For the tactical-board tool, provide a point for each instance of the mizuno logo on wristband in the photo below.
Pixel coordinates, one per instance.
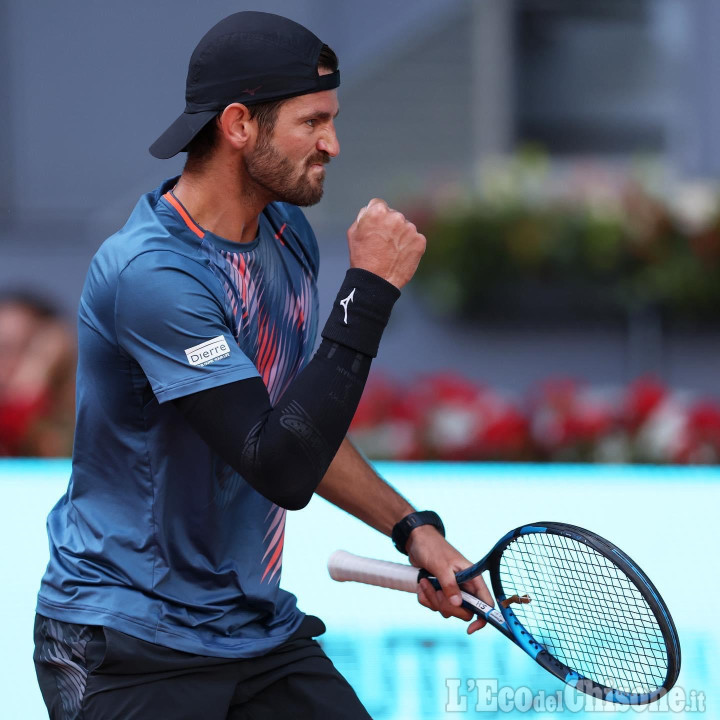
(344, 302)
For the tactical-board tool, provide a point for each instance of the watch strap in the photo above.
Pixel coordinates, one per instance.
(401, 531)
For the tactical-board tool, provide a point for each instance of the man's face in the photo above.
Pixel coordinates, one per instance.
(289, 162)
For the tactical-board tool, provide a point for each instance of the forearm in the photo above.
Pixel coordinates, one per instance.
(352, 485)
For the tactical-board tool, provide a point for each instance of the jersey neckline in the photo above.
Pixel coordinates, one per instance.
(186, 221)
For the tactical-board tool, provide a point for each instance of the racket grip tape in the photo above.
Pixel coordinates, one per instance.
(344, 566)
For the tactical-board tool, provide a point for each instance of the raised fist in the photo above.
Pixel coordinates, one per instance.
(382, 241)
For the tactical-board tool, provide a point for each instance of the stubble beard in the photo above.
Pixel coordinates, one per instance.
(277, 176)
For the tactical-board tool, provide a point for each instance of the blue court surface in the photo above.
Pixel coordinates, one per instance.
(404, 661)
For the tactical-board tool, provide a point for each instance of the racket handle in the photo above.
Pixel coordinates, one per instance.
(344, 566)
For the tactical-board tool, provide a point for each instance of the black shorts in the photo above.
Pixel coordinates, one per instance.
(89, 672)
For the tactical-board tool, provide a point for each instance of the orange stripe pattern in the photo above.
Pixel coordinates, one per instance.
(169, 197)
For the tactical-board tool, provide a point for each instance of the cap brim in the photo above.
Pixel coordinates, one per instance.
(176, 138)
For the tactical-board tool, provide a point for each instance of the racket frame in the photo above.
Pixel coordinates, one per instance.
(514, 630)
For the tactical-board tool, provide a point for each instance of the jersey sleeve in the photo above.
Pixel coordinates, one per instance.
(170, 318)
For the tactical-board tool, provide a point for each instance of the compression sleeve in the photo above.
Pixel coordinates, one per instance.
(284, 451)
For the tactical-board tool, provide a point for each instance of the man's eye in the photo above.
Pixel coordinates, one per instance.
(311, 122)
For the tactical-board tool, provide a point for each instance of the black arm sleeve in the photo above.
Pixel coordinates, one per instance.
(284, 451)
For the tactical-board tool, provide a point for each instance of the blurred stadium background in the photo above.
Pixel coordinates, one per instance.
(562, 157)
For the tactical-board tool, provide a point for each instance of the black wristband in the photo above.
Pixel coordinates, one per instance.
(361, 311)
(401, 531)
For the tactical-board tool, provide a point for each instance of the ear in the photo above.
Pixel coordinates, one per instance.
(236, 126)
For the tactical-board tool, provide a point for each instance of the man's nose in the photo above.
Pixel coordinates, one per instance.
(329, 143)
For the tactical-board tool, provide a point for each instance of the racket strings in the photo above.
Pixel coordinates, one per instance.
(585, 611)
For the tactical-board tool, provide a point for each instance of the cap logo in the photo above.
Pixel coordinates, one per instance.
(248, 91)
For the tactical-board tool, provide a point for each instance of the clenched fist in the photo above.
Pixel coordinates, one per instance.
(382, 241)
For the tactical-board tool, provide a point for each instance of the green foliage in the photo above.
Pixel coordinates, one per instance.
(629, 250)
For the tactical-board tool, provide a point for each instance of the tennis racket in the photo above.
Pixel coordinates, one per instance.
(578, 605)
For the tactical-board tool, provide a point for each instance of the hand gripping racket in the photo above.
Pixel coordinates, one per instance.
(571, 600)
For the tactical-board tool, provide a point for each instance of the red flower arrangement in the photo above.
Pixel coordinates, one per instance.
(448, 417)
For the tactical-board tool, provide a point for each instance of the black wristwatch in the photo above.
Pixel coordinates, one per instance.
(401, 531)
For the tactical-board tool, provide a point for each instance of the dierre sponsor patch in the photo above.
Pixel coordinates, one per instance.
(208, 352)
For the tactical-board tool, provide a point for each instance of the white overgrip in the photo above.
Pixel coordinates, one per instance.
(344, 566)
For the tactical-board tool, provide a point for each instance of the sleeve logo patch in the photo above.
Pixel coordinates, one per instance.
(208, 351)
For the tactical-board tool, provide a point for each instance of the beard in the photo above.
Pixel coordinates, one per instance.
(280, 178)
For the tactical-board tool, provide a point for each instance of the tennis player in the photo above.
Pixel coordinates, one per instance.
(203, 415)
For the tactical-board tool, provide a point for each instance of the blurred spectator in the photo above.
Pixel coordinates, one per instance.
(37, 378)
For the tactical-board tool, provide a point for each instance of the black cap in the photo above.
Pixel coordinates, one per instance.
(249, 57)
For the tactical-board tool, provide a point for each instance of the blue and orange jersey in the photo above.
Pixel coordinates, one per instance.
(157, 536)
